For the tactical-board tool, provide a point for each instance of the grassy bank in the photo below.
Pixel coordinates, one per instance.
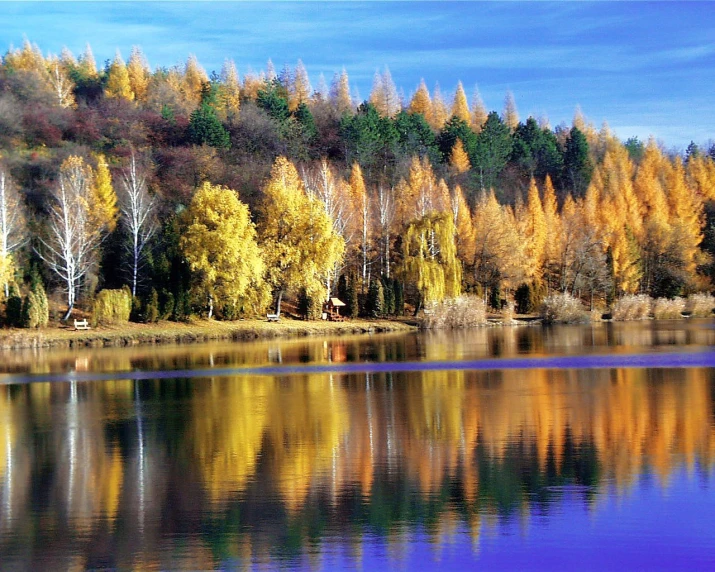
(191, 332)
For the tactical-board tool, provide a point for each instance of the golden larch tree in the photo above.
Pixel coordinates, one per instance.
(478, 112)
(340, 93)
(458, 158)
(301, 89)
(686, 217)
(193, 80)
(440, 113)
(421, 101)
(118, 84)
(552, 219)
(535, 233)
(104, 210)
(139, 73)
(86, 64)
(361, 202)
(464, 230)
(460, 107)
(510, 116)
(384, 95)
(228, 96)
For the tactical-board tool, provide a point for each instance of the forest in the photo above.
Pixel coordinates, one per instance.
(174, 192)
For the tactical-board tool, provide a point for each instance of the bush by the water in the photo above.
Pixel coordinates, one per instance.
(461, 312)
(632, 307)
(508, 313)
(700, 305)
(564, 308)
(112, 307)
(666, 309)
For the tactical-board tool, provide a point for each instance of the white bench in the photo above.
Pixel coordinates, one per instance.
(81, 325)
(273, 317)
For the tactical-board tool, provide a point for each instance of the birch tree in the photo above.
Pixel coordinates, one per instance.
(12, 224)
(70, 245)
(136, 207)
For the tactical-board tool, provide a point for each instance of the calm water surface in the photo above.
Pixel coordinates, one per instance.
(252, 466)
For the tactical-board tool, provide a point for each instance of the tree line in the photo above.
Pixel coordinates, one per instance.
(223, 195)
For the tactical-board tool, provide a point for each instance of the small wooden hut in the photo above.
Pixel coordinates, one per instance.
(332, 309)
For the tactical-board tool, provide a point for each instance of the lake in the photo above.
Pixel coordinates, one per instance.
(577, 447)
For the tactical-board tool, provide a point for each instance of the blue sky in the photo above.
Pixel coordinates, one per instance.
(645, 68)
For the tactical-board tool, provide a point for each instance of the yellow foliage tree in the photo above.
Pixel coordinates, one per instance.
(138, 70)
(219, 243)
(510, 115)
(361, 202)
(478, 111)
(464, 230)
(440, 114)
(299, 243)
(553, 224)
(86, 64)
(340, 93)
(421, 102)
(460, 107)
(535, 233)
(118, 83)
(193, 80)
(430, 259)
(458, 158)
(228, 97)
(384, 95)
(301, 89)
(686, 218)
(104, 211)
(499, 248)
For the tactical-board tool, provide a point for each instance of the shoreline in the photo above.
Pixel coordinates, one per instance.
(195, 331)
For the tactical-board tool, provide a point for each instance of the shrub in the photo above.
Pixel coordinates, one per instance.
(309, 305)
(375, 303)
(31, 311)
(112, 307)
(167, 305)
(632, 307)
(353, 306)
(151, 313)
(564, 308)
(700, 305)
(665, 309)
(13, 308)
(399, 297)
(465, 311)
(389, 296)
(508, 313)
(35, 307)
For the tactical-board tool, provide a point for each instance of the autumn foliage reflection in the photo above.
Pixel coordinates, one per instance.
(127, 465)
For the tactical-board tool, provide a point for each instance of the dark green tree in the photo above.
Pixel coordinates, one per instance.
(206, 128)
(536, 151)
(375, 303)
(635, 148)
(578, 167)
(491, 152)
(455, 129)
(369, 138)
(273, 99)
(415, 137)
(399, 297)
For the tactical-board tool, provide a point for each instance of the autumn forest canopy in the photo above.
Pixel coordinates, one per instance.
(213, 193)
